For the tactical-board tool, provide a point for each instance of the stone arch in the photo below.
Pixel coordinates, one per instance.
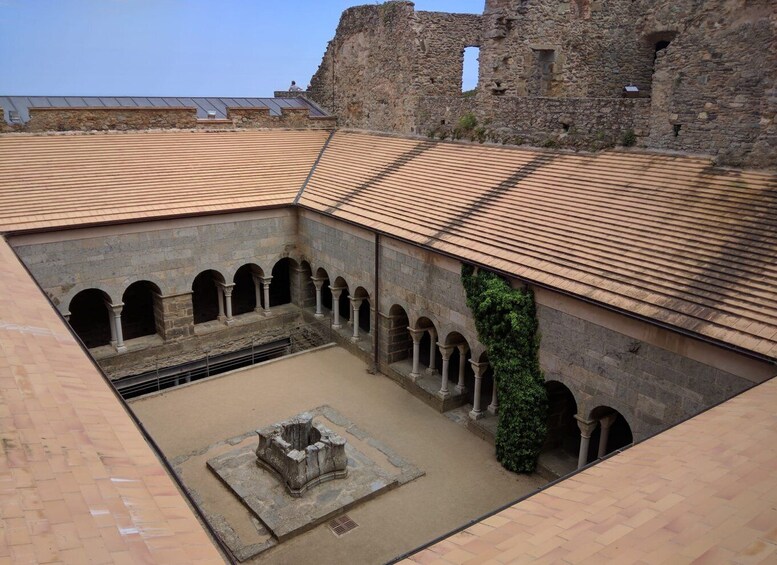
(142, 313)
(207, 296)
(67, 298)
(344, 303)
(399, 342)
(247, 292)
(365, 314)
(563, 431)
(281, 285)
(162, 286)
(612, 433)
(326, 293)
(460, 373)
(429, 353)
(91, 318)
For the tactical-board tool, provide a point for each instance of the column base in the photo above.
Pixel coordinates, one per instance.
(476, 415)
(443, 394)
(355, 339)
(229, 321)
(337, 326)
(258, 309)
(461, 389)
(267, 313)
(319, 316)
(493, 409)
(430, 371)
(414, 376)
(121, 349)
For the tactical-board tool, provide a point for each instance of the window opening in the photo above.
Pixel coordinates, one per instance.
(470, 71)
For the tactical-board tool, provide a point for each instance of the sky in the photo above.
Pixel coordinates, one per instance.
(170, 47)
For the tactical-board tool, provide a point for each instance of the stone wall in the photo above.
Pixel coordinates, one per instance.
(125, 119)
(384, 57)
(169, 254)
(654, 377)
(563, 48)
(581, 123)
(715, 86)
(713, 90)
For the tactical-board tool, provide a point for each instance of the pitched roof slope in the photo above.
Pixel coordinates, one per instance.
(669, 238)
(78, 482)
(704, 491)
(64, 180)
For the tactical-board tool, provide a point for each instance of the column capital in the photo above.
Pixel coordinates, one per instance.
(416, 335)
(336, 291)
(586, 426)
(266, 280)
(432, 333)
(356, 302)
(446, 350)
(318, 282)
(115, 308)
(463, 348)
(478, 368)
(226, 287)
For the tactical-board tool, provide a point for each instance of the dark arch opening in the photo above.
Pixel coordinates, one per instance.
(344, 304)
(364, 309)
(205, 296)
(659, 46)
(280, 287)
(142, 312)
(326, 294)
(244, 291)
(425, 347)
(620, 432)
(308, 290)
(563, 432)
(89, 317)
(400, 344)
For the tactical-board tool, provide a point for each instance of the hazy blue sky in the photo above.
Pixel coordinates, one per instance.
(169, 47)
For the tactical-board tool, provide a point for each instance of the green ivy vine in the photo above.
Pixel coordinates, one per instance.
(506, 322)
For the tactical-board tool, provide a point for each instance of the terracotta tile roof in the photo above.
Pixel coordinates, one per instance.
(64, 180)
(78, 483)
(705, 489)
(670, 238)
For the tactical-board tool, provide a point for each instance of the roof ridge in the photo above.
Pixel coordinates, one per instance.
(313, 168)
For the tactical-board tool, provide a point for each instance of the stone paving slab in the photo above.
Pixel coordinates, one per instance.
(286, 516)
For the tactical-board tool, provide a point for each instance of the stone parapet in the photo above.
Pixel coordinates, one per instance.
(129, 119)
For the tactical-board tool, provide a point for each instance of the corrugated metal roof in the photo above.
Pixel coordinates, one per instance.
(669, 238)
(22, 104)
(65, 180)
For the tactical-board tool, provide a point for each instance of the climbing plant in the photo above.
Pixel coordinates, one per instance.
(506, 322)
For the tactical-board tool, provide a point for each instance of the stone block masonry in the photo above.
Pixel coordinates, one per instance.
(705, 71)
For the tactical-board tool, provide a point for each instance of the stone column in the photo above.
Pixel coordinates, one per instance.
(119, 335)
(227, 290)
(318, 282)
(587, 428)
(355, 305)
(432, 351)
(336, 292)
(266, 287)
(604, 434)
(463, 350)
(494, 406)
(446, 351)
(479, 368)
(416, 336)
(258, 292)
(220, 292)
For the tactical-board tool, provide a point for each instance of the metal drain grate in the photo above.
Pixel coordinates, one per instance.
(342, 525)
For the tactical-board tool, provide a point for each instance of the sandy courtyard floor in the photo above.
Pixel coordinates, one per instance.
(463, 479)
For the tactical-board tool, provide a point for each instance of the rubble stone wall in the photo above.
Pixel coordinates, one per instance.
(705, 69)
